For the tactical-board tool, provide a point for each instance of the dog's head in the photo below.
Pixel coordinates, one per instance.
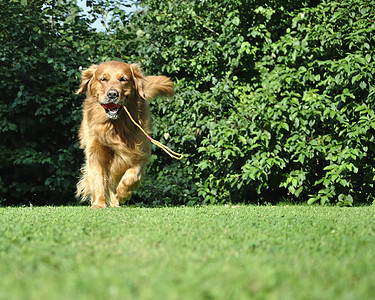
(113, 84)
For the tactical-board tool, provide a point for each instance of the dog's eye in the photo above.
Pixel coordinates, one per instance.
(123, 79)
(104, 79)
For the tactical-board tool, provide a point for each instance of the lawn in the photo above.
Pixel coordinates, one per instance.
(214, 252)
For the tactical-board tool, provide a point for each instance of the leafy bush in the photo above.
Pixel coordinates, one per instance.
(40, 56)
(316, 101)
(274, 101)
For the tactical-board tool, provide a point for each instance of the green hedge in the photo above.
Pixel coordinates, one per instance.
(40, 55)
(274, 101)
(315, 106)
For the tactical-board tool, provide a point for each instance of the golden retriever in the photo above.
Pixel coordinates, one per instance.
(116, 151)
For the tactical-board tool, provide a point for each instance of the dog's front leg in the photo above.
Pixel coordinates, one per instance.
(97, 183)
(98, 159)
(129, 182)
(113, 199)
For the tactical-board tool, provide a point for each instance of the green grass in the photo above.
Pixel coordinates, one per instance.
(250, 252)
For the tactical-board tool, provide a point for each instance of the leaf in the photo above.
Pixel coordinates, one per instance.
(363, 85)
(236, 21)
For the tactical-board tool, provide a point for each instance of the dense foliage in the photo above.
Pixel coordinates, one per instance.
(274, 101)
(42, 48)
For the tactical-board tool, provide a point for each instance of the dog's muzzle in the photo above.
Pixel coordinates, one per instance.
(112, 110)
(110, 105)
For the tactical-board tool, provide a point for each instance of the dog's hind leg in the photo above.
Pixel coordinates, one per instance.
(83, 191)
(89, 187)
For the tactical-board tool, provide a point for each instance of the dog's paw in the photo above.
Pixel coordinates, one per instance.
(131, 177)
(113, 200)
(124, 193)
(129, 182)
(98, 202)
(95, 206)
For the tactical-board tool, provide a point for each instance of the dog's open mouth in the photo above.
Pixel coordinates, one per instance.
(112, 110)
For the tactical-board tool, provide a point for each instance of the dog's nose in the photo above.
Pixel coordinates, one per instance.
(112, 93)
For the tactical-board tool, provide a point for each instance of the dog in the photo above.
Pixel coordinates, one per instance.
(116, 151)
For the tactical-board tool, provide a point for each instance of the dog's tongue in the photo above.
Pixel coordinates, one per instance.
(110, 106)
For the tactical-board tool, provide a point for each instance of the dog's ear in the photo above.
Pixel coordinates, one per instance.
(150, 87)
(86, 76)
(158, 86)
(138, 79)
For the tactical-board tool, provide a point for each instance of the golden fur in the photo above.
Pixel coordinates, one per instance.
(116, 151)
